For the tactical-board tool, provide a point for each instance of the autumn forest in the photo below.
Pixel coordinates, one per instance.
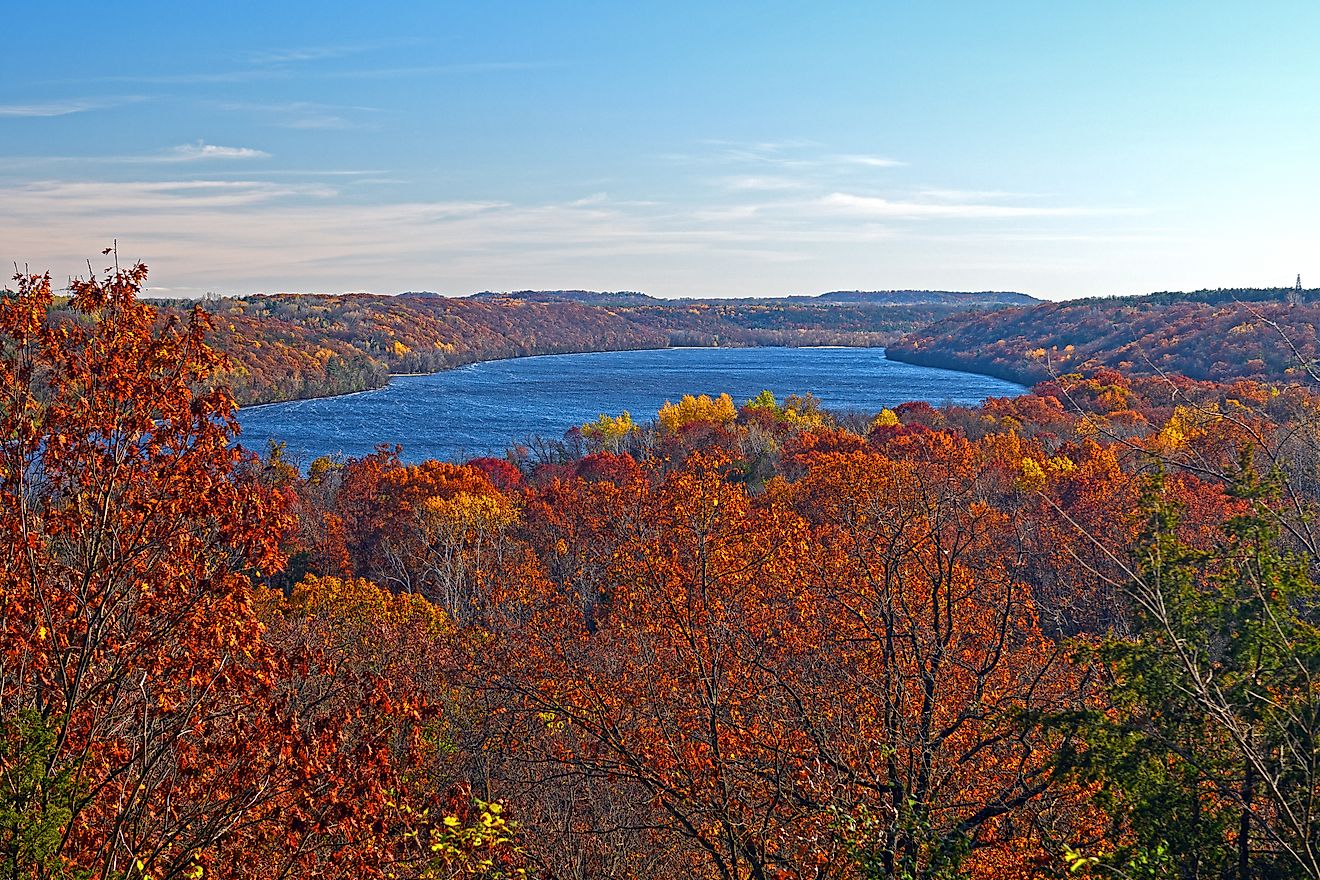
(1071, 633)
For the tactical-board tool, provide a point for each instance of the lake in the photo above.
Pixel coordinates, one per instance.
(483, 408)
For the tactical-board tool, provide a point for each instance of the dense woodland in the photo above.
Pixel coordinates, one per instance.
(306, 345)
(1071, 633)
(1268, 335)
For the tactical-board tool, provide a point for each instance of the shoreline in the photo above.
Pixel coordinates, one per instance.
(1006, 375)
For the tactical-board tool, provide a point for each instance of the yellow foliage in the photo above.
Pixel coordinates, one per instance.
(886, 419)
(1061, 465)
(1032, 478)
(466, 510)
(673, 417)
(476, 850)
(803, 412)
(808, 419)
(1170, 438)
(358, 599)
(1186, 424)
(320, 468)
(1090, 424)
(610, 430)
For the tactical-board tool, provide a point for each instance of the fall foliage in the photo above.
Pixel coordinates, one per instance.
(1067, 634)
(1217, 335)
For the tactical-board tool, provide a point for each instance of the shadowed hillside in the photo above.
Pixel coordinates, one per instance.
(1211, 334)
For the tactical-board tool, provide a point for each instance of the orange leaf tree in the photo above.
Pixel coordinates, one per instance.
(132, 669)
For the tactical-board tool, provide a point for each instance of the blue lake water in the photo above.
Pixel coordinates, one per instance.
(483, 408)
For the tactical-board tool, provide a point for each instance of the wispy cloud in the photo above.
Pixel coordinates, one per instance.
(302, 115)
(439, 69)
(803, 161)
(299, 233)
(301, 172)
(776, 154)
(183, 153)
(317, 122)
(247, 234)
(281, 72)
(972, 195)
(875, 206)
(869, 161)
(53, 108)
(306, 54)
(753, 183)
(43, 109)
(151, 198)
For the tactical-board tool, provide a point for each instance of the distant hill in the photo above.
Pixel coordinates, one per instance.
(1218, 335)
(850, 297)
(589, 297)
(1217, 296)
(930, 297)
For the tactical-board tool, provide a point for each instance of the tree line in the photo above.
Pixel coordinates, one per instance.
(1264, 335)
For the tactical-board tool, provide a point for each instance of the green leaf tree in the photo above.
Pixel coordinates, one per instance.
(1210, 751)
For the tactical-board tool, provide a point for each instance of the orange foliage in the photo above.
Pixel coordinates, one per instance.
(761, 646)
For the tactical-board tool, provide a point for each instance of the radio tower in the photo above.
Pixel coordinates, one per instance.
(1295, 295)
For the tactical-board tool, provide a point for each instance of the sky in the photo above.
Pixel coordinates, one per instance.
(694, 149)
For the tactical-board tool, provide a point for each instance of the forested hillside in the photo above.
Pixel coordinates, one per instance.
(1266, 335)
(1070, 634)
(290, 345)
(283, 347)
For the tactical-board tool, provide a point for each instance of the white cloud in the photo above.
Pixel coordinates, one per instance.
(971, 195)
(807, 161)
(303, 54)
(53, 108)
(96, 199)
(762, 184)
(47, 109)
(871, 161)
(201, 151)
(285, 72)
(875, 206)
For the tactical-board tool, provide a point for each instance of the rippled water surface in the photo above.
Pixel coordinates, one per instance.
(482, 408)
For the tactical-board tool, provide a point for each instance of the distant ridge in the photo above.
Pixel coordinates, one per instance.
(1267, 334)
(849, 297)
(1217, 296)
(587, 297)
(929, 297)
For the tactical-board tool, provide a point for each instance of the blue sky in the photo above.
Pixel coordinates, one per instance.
(683, 149)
